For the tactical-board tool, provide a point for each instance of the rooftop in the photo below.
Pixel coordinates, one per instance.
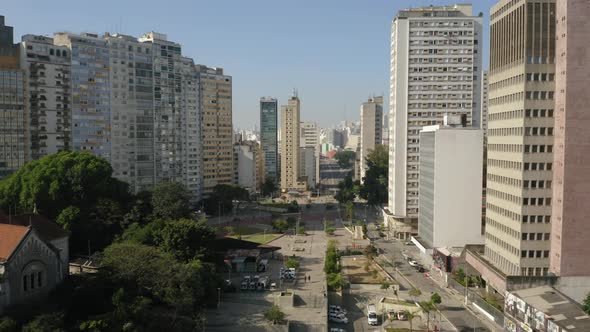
(45, 228)
(10, 237)
(556, 307)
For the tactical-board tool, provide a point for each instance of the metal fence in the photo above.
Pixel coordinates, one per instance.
(475, 299)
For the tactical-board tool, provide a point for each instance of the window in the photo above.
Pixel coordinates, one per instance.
(547, 236)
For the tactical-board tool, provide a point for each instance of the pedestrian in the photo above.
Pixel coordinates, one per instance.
(309, 278)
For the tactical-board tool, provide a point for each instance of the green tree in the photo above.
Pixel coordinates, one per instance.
(435, 299)
(335, 281)
(411, 315)
(427, 307)
(414, 293)
(370, 252)
(374, 187)
(274, 314)
(269, 187)
(586, 304)
(280, 225)
(385, 285)
(8, 324)
(171, 200)
(349, 210)
(345, 192)
(345, 159)
(185, 239)
(223, 196)
(292, 263)
(52, 322)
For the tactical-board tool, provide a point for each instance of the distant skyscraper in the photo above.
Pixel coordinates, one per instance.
(47, 69)
(371, 129)
(435, 66)
(13, 105)
(520, 138)
(290, 153)
(571, 175)
(268, 135)
(310, 145)
(216, 107)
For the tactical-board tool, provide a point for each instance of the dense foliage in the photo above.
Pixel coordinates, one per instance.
(221, 199)
(347, 190)
(345, 158)
(374, 187)
(269, 187)
(157, 272)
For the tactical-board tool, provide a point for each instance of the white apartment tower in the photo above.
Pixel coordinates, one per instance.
(436, 57)
(310, 153)
(371, 129)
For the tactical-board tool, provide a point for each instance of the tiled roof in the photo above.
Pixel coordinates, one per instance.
(10, 237)
(45, 228)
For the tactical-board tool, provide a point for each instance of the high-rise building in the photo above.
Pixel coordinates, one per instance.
(451, 160)
(310, 149)
(484, 101)
(248, 159)
(47, 72)
(90, 106)
(436, 57)
(217, 132)
(268, 136)
(385, 129)
(570, 230)
(290, 154)
(520, 137)
(371, 129)
(13, 105)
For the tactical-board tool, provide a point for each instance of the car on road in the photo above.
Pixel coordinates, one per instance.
(338, 319)
(409, 243)
(335, 329)
(413, 263)
(372, 315)
(338, 309)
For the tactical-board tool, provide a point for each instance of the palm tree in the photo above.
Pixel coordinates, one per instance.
(427, 307)
(410, 316)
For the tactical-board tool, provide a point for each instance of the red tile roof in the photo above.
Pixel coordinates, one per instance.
(10, 237)
(45, 228)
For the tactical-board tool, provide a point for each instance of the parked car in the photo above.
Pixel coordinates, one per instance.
(401, 315)
(338, 319)
(337, 308)
(336, 329)
(391, 314)
(413, 263)
(409, 243)
(420, 269)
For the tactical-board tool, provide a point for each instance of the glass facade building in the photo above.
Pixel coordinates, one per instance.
(268, 136)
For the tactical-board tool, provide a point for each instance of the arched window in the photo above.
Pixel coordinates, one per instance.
(34, 277)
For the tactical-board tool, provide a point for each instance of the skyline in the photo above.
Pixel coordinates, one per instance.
(339, 58)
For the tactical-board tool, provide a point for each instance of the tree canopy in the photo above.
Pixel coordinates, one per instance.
(345, 158)
(374, 187)
(171, 200)
(222, 197)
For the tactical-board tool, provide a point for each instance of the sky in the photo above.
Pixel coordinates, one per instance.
(334, 52)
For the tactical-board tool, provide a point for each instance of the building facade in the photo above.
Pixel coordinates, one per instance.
(571, 187)
(290, 154)
(436, 57)
(520, 137)
(371, 130)
(484, 101)
(47, 71)
(13, 105)
(451, 160)
(247, 160)
(217, 131)
(269, 137)
(310, 150)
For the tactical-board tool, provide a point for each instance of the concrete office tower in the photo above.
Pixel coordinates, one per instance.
(435, 70)
(571, 175)
(132, 111)
(290, 154)
(13, 105)
(248, 159)
(216, 107)
(191, 155)
(385, 129)
(90, 106)
(371, 129)
(484, 101)
(520, 137)
(310, 153)
(451, 160)
(268, 136)
(47, 69)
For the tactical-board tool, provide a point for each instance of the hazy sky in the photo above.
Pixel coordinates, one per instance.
(335, 52)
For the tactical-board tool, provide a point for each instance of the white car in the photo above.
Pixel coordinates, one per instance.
(413, 263)
(337, 309)
(335, 329)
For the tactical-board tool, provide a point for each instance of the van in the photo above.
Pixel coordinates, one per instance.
(372, 315)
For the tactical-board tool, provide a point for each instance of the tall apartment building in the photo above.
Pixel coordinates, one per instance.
(13, 105)
(290, 154)
(90, 107)
(248, 155)
(436, 57)
(310, 153)
(570, 230)
(520, 137)
(371, 129)
(47, 71)
(131, 86)
(269, 137)
(216, 107)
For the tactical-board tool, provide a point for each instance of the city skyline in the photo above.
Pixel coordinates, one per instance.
(343, 56)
